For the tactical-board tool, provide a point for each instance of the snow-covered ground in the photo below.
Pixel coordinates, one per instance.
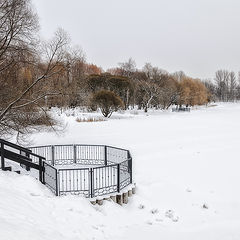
(187, 170)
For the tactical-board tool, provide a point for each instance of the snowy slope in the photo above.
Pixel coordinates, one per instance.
(186, 166)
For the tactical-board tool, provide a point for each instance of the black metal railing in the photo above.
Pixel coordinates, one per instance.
(50, 178)
(71, 154)
(88, 170)
(74, 181)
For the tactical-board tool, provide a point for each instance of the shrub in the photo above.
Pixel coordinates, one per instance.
(107, 101)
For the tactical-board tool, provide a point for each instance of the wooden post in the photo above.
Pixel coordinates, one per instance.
(119, 199)
(130, 193)
(125, 198)
(43, 172)
(93, 202)
(40, 170)
(100, 202)
(27, 167)
(114, 199)
(2, 157)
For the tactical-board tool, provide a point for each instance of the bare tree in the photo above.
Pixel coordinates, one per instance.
(169, 93)
(18, 25)
(150, 81)
(238, 86)
(128, 68)
(232, 86)
(14, 115)
(222, 81)
(211, 87)
(180, 75)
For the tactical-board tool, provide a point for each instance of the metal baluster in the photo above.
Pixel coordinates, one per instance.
(53, 158)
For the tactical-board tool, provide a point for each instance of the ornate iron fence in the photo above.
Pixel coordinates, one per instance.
(181, 109)
(50, 177)
(88, 170)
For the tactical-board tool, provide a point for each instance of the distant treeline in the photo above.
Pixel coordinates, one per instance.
(149, 87)
(225, 87)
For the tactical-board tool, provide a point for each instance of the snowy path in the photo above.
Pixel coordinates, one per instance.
(181, 162)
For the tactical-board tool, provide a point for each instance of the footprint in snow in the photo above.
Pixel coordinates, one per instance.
(149, 223)
(171, 215)
(154, 211)
(34, 194)
(205, 206)
(175, 219)
(141, 206)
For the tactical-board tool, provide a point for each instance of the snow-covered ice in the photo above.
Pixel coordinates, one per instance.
(187, 170)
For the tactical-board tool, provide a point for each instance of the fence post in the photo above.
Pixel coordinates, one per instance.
(74, 153)
(105, 155)
(130, 169)
(57, 186)
(28, 156)
(43, 173)
(2, 157)
(53, 158)
(128, 157)
(40, 170)
(91, 183)
(118, 177)
(129, 165)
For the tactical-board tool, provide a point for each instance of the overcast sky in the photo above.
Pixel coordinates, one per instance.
(196, 36)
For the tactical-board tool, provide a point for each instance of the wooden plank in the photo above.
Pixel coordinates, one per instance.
(20, 159)
(15, 146)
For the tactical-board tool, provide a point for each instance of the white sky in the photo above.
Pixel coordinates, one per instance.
(196, 36)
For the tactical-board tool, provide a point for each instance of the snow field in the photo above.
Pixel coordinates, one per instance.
(186, 166)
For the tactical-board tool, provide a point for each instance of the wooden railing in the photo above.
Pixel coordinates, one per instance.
(18, 154)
